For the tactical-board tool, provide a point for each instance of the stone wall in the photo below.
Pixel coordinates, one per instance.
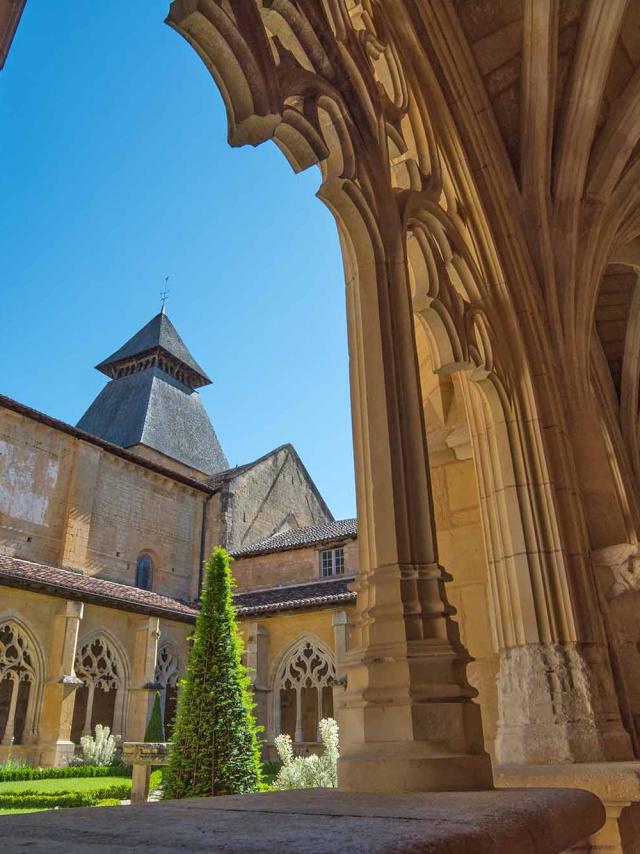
(289, 567)
(67, 502)
(132, 637)
(274, 494)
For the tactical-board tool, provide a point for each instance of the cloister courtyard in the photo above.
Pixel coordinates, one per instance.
(473, 629)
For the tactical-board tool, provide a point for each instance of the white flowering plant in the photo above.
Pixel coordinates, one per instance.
(101, 749)
(309, 772)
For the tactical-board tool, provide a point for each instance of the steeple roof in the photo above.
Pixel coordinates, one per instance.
(151, 400)
(160, 337)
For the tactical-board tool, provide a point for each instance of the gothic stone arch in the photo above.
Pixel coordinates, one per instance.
(102, 666)
(21, 675)
(302, 688)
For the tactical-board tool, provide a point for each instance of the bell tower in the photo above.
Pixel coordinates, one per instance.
(151, 404)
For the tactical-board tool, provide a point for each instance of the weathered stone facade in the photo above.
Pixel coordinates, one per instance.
(74, 507)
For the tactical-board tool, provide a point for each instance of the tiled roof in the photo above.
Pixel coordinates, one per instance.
(159, 332)
(89, 588)
(15, 572)
(316, 594)
(152, 408)
(300, 538)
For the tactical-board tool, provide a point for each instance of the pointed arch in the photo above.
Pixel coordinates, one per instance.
(169, 667)
(102, 665)
(22, 671)
(302, 687)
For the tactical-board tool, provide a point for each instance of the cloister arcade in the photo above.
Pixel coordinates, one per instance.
(450, 219)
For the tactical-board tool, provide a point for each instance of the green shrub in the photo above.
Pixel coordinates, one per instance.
(156, 778)
(215, 745)
(99, 749)
(307, 772)
(155, 727)
(270, 770)
(27, 772)
(10, 764)
(47, 800)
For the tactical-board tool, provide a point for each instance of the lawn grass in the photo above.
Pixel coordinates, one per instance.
(20, 812)
(69, 784)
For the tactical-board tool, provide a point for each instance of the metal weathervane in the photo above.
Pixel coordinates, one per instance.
(164, 295)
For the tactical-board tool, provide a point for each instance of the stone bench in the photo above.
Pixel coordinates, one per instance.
(320, 821)
(143, 756)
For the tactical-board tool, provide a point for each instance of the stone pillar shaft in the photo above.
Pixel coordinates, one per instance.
(407, 717)
(60, 690)
(145, 654)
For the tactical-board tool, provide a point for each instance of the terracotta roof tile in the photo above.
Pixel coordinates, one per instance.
(299, 538)
(15, 572)
(90, 588)
(316, 594)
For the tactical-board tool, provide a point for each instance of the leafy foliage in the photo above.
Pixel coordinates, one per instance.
(215, 745)
(309, 772)
(77, 784)
(27, 772)
(47, 800)
(155, 726)
(8, 766)
(101, 749)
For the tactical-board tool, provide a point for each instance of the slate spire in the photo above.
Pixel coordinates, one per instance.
(151, 400)
(159, 340)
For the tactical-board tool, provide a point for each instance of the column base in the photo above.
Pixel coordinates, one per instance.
(411, 767)
(552, 709)
(55, 755)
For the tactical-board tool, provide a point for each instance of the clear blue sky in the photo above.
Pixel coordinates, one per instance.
(114, 172)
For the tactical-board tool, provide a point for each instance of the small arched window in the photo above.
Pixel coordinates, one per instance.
(144, 572)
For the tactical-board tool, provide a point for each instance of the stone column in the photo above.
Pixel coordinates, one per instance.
(59, 690)
(257, 648)
(408, 721)
(340, 624)
(145, 654)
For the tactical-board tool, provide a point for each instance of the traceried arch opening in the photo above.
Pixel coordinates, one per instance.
(303, 690)
(19, 678)
(100, 699)
(167, 676)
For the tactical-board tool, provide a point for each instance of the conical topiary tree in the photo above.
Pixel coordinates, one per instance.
(215, 746)
(155, 727)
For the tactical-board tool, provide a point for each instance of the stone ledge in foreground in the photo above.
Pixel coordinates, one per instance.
(320, 821)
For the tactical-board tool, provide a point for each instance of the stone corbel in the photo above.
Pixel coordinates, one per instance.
(623, 562)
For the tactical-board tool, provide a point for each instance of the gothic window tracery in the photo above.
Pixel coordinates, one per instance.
(167, 675)
(17, 684)
(99, 701)
(303, 690)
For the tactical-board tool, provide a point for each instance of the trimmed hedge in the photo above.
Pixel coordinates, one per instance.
(48, 800)
(26, 772)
